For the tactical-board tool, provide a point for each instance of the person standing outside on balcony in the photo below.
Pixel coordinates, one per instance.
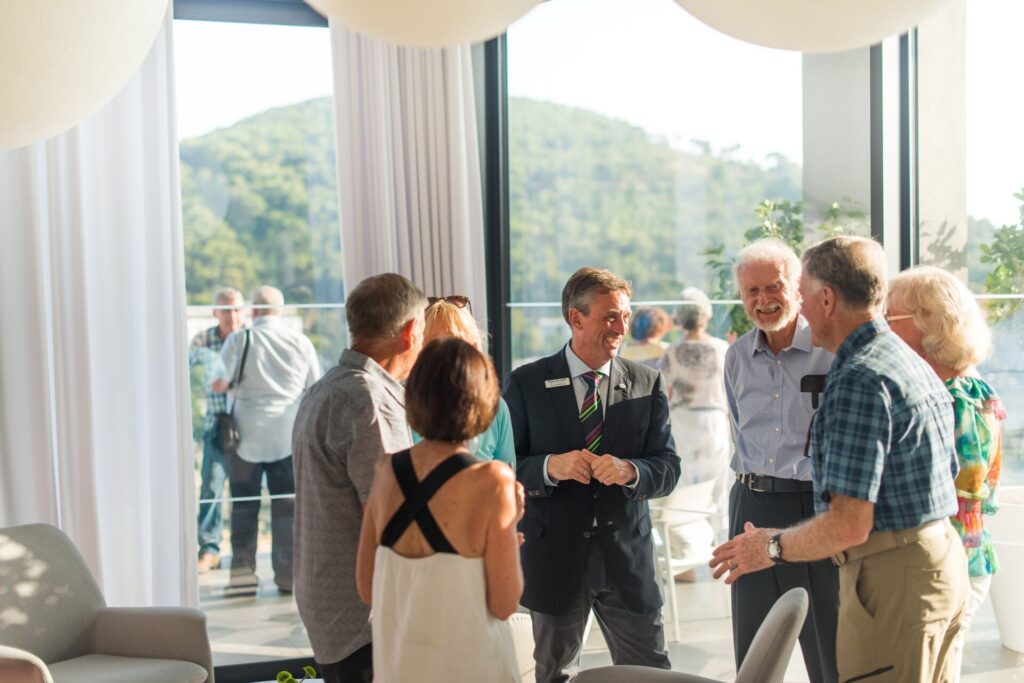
(205, 351)
(770, 417)
(346, 422)
(884, 456)
(593, 443)
(278, 367)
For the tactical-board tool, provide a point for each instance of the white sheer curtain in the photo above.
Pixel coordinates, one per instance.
(408, 165)
(95, 432)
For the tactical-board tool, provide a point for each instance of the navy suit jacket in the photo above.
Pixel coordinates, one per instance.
(559, 520)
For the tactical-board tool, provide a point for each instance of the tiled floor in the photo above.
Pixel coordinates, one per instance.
(267, 627)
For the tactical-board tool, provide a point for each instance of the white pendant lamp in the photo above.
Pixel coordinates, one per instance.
(61, 60)
(425, 23)
(811, 25)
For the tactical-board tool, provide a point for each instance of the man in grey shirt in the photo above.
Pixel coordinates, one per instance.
(346, 421)
(770, 417)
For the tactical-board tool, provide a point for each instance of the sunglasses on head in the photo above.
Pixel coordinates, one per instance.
(457, 300)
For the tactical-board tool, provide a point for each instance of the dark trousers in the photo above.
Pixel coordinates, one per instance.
(356, 668)
(754, 594)
(210, 521)
(632, 638)
(246, 478)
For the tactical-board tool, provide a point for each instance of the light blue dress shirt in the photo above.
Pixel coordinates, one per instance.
(768, 413)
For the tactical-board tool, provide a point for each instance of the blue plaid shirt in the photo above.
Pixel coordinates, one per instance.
(205, 350)
(884, 432)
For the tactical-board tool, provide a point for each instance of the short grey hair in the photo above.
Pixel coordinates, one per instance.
(773, 251)
(381, 305)
(268, 296)
(227, 296)
(695, 311)
(854, 267)
(953, 326)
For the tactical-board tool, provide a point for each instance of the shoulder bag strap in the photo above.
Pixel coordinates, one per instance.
(238, 374)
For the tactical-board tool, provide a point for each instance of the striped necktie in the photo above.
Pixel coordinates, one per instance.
(591, 414)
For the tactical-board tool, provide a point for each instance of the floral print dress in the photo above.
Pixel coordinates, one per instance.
(979, 446)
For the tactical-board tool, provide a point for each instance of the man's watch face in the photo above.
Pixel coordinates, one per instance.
(774, 549)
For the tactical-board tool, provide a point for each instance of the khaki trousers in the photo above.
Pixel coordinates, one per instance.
(901, 597)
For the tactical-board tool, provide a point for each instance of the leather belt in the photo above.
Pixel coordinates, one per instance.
(880, 541)
(762, 483)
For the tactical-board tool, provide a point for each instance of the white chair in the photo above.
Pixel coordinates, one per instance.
(521, 626)
(688, 504)
(765, 662)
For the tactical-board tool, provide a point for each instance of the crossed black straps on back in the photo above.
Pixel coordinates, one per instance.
(417, 494)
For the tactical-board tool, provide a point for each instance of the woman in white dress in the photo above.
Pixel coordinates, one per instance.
(438, 556)
(694, 371)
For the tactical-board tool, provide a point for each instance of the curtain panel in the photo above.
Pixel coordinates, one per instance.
(95, 426)
(408, 165)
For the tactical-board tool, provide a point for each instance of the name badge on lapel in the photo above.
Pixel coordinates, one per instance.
(554, 383)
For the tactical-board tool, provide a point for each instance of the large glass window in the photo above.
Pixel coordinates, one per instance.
(987, 246)
(643, 141)
(260, 207)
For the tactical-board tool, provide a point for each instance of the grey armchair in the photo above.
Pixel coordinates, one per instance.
(765, 661)
(51, 606)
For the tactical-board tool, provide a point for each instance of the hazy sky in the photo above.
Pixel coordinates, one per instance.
(645, 61)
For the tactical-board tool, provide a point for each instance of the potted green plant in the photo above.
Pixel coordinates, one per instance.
(308, 673)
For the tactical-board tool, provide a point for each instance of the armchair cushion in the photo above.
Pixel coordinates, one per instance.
(110, 669)
(160, 632)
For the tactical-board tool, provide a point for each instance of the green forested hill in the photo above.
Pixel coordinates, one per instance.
(590, 190)
(260, 203)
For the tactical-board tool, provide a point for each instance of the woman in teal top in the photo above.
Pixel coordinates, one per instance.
(451, 317)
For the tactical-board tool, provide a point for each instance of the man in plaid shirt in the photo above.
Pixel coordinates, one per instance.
(884, 465)
(205, 351)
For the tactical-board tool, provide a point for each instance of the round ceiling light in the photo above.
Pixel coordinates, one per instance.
(811, 25)
(61, 60)
(425, 24)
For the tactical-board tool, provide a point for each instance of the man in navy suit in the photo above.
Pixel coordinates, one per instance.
(593, 443)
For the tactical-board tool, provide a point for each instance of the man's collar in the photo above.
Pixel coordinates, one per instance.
(356, 359)
(265, 320)
(801, 338)
(858, 338)
(578, 367)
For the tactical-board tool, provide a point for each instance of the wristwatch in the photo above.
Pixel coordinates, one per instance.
(774, 549)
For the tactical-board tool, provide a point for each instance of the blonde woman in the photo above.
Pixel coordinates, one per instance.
(938, 317)
(451, 316)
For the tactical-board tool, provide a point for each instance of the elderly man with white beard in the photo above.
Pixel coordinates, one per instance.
(770, 418)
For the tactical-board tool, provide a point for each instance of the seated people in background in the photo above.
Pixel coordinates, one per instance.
(647, 326)
(452, 317)
(278, 367)
(938, 317)
(693, 370)
(440, 598)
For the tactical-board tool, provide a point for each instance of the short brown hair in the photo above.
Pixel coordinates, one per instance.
(452, 392)
(854, 267)
(585, 284)
(381, 304)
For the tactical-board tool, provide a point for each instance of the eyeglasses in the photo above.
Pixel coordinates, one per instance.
(457, 300)
(894, 318)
